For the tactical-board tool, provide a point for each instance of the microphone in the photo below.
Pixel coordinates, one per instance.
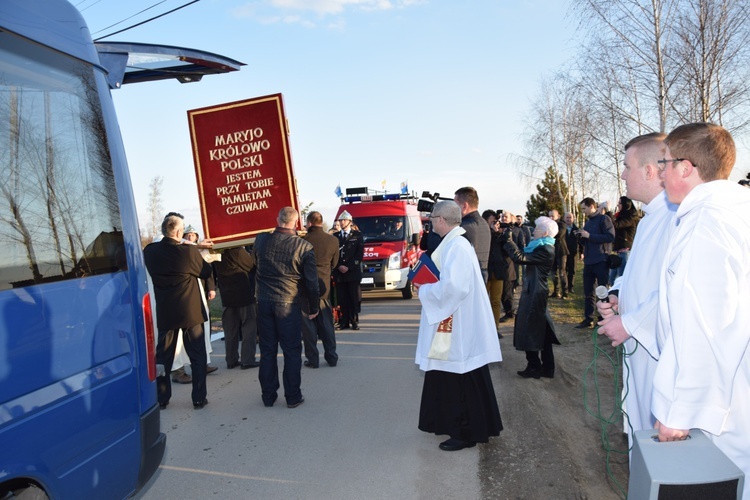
(602, 293)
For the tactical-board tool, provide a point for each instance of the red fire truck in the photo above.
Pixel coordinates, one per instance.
(391, 227)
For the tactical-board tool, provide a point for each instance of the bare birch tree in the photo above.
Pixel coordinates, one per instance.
(713, 44)
(558, 138)
(155, 208)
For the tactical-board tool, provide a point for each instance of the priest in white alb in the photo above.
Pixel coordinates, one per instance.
(457, 342)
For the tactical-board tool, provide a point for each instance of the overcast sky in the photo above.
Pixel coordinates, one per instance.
(425, 91)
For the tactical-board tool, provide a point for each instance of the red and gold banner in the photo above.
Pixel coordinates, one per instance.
(243, 167)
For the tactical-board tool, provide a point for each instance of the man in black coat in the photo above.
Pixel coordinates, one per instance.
(511, 281)
(574, 248)
(326, 249)
(559, 267)
(348, 273)
(477, 230)
(526, 232)
(240, 313)
(175, 269)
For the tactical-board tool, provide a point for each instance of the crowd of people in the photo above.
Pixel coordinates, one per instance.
(274, 294)
(677, 272)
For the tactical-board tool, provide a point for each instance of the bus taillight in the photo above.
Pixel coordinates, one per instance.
(148, 321)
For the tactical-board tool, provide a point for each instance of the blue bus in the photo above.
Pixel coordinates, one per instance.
(78, 410)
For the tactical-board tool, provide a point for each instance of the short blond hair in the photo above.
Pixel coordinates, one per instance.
(709, 147)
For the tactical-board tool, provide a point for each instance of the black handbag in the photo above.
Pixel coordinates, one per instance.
(614, 261)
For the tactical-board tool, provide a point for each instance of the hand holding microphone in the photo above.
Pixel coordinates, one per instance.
(611, 324)
(607, 301)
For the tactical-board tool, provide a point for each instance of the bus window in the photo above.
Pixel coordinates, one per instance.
(59, 216)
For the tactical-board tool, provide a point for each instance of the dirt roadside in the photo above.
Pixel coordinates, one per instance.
(557, 431)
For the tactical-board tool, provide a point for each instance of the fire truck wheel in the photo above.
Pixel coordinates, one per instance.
(407, 292)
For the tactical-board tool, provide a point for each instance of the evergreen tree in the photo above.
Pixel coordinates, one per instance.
(550, 195)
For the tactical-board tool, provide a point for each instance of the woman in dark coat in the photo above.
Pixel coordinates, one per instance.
(534, 330)
(625, 222)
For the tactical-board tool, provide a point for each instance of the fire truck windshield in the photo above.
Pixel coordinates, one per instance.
(388, 228)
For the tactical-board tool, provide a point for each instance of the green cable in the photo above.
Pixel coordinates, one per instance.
(612, 419)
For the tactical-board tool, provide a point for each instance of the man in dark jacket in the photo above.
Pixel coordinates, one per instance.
(348, 273)
(240, 313)
(574, 249)
(559, 267)
(511, 281)
(175, 269)
(494, 282)
(596, 236)
(326, 249)
(286, 275)
(526, 231)
(477, 230)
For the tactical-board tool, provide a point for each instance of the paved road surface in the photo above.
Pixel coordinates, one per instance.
(356, 434)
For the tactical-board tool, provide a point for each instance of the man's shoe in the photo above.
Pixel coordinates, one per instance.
(211, 369)
(586, 323)
(564, 296)
(231, 366)
(343, 327)
(199, 405)
(269, 402)
(182, 378)
(508, 316)
(531, 373)
(310, 365)
(246, 366)
(453, 444)
(554, 295)
(355, 326)
(163, 406)
(295, 405)
(548, 373)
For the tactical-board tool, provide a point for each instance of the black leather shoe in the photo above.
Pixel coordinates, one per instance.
(586, 323)
(343, 327)
(200, 404)
(232, 365)
(254, 364)
(355, 326)
(269, 403)
(310, 365)
(548, 373)
(453, 444)
(531, 373)
(163, 406)
(295, 405)
(211, 369)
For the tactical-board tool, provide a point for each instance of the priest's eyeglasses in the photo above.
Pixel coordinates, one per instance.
(662, 164)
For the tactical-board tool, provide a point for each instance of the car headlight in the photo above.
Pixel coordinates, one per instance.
(394, 261)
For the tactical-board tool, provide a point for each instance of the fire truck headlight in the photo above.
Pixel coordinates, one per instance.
(394, 261)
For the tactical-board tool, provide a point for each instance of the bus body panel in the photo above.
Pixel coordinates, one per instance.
(78, 413)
